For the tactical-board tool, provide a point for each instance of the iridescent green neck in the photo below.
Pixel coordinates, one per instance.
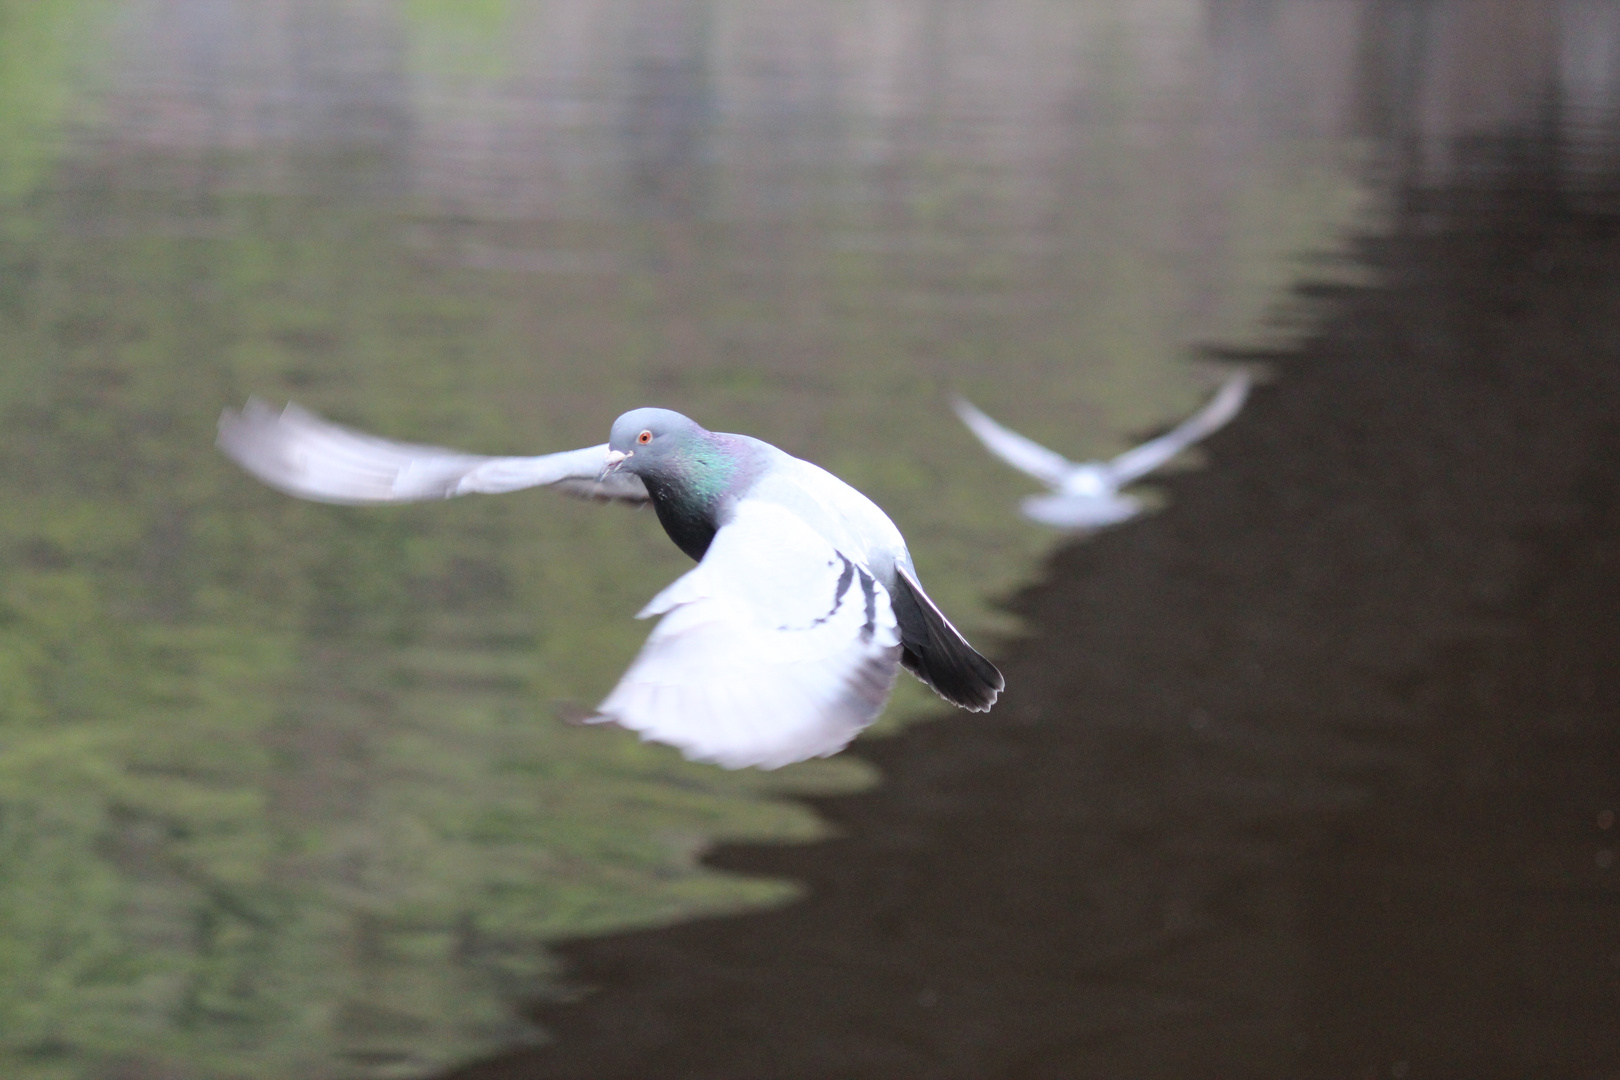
(709, 469)
(687, 495)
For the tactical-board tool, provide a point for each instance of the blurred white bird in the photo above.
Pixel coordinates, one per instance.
(1086, 495)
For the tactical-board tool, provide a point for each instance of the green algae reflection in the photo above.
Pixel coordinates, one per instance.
(290, 790)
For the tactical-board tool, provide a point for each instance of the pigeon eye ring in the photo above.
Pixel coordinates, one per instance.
(644, 438)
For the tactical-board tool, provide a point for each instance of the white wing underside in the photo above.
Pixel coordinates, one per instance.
(1137, 463)
(774, 649)
(1098, 478)
(303, 454)
(1025, 455)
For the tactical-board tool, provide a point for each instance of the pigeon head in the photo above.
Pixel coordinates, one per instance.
(687, 469)
(653, 444)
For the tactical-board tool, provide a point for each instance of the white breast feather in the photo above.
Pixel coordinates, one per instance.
(774, 649)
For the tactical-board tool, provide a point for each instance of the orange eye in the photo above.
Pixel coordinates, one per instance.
(644, 438)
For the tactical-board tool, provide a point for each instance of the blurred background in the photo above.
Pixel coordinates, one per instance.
(1311, 772)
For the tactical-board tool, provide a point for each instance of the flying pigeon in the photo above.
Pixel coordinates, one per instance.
(1086, 495)
(780, 645)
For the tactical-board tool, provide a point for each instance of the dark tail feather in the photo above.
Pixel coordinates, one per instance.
(935, 652)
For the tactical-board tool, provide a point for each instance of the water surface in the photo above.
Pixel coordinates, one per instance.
(289, 789)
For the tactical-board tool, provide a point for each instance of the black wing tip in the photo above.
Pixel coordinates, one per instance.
(960, 676)
(990, 693)
(938, 654)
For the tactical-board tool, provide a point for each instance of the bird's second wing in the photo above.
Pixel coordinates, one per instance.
(1023, 454)
(774, 649)
(1137, 463)
(302, 454)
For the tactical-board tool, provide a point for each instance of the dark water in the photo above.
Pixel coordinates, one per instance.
(1310, 773)
(1314, 776)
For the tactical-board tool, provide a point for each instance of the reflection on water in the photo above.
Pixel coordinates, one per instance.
(285, 789)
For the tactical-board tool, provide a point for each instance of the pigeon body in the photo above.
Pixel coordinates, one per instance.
(780, 645)
(1086, 495)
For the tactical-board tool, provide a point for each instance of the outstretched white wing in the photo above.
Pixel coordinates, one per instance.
(1023, 454)
(1137, 463)
(775, 648)
(302, 454)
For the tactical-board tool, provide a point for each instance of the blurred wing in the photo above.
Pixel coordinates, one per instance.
(303, 454)
(775, 648)
(1134, 464)
(1021, 453)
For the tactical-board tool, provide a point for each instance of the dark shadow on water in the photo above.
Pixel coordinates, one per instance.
(1312, 774)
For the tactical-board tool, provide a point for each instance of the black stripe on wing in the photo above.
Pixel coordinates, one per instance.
(869, 589)
(841, 589)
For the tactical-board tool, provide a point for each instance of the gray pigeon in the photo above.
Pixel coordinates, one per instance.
(780, 645)
(1086, 495)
